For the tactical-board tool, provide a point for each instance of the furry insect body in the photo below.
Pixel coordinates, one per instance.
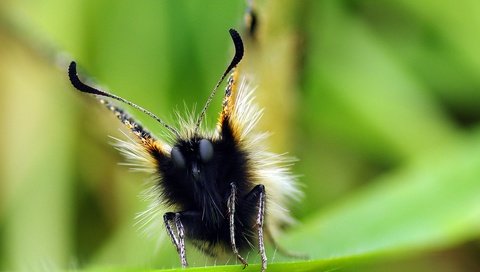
(201, 190)
(224, 188)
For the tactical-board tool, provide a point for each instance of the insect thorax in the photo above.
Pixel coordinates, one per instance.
(197, 176)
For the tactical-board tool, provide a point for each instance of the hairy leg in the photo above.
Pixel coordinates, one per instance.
(257, 194)
(231, 215)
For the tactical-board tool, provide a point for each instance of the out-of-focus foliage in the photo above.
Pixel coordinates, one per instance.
(380, 101)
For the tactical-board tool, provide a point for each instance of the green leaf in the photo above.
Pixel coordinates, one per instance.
(431, 203)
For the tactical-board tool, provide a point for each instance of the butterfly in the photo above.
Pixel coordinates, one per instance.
(225, 191)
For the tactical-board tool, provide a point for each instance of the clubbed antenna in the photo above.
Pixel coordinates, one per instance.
(79, 85)
(237, 42)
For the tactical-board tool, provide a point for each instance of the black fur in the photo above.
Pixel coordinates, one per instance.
(203, 200)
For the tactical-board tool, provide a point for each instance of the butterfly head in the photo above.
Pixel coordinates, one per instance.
(191, 158)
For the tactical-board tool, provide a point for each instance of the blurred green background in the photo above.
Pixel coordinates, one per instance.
(379, 101)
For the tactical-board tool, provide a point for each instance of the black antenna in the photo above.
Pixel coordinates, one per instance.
(237, 42)
(79, 85)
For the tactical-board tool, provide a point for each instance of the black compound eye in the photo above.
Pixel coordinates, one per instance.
(206, 150)
(177, 158)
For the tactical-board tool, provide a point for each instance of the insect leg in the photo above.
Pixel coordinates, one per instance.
(231, 213)
(258, 194)
(180, 241)
(181, 236)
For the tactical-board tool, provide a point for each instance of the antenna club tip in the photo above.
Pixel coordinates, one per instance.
(72, 69)
(237, 39)
(72, 66)
(239, 48)
(78, 84)
(72, 75)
